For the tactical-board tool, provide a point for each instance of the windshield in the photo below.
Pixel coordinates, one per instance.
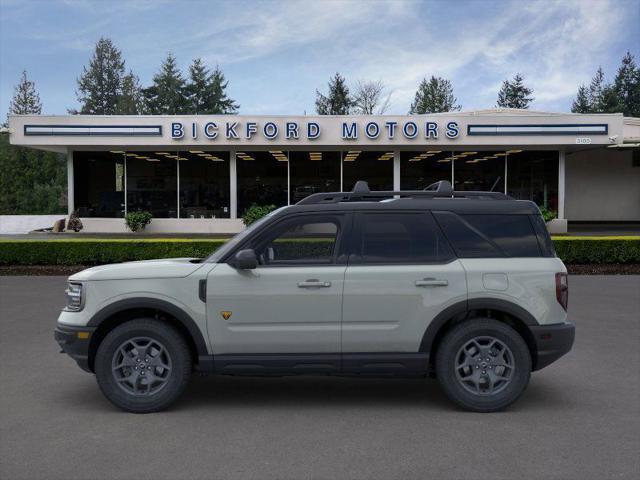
(239, 238)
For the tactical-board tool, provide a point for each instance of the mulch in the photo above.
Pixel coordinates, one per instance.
(66, 270)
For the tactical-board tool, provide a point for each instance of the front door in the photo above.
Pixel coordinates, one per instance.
(401, 274)
(290, 305)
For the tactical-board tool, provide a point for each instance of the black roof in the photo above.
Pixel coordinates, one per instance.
(437, 197)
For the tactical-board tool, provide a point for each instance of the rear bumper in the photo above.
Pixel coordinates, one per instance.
(552, 342)
(74, 345)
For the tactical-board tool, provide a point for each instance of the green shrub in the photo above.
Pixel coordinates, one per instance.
(547, 214)
(256, 212)
(137, 220)
(599, 250)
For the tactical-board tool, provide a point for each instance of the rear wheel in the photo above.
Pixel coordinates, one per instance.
(143, 365)
(483, 365)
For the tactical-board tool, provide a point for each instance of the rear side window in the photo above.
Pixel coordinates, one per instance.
(400, 238)
(544, 239)
(474, 236)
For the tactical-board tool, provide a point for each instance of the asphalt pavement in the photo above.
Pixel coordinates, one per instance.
(579, 418)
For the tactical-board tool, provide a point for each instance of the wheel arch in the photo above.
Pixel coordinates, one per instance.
(502, 310)
(121, 311)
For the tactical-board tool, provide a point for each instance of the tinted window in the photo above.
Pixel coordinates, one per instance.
(300, 242)
(400, 238)
(475, 236)
(544, 239)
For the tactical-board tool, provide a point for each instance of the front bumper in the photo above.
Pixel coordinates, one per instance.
(552, 342)
(75, 341)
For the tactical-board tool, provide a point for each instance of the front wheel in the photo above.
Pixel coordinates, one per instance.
(483, 365)
(143, 365)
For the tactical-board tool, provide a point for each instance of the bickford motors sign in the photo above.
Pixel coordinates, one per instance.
(294, 130)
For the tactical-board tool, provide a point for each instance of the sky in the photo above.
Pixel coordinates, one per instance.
(275, 54)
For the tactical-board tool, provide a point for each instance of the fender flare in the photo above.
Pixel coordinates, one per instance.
(156, 304)
(461, 309)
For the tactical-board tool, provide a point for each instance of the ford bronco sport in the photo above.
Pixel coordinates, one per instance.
(463, 286)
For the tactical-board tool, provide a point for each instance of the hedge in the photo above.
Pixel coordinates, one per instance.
(572, 250)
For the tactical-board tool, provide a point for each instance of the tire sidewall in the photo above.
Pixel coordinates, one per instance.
(177, 349)
(459, 336)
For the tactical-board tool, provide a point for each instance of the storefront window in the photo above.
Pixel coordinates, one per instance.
(262, 179)
(99, 184)
(313, 172)
(204, 184)
(533, 175)
(479, 171)
(376, 168)
(422, 168)
(152, 183)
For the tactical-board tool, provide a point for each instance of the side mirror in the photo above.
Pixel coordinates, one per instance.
(245, 260)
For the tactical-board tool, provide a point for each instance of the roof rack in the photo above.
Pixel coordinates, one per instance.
(361, 193)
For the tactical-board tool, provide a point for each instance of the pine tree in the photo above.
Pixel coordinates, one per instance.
(25, 99)
(206, 91)
(596, 91)
(218, 101)
(581, 104)
(627, 86)
(99, 86)
(167, 95)
(433, 96)
(130, 101)
(514, 94)
(338, 101)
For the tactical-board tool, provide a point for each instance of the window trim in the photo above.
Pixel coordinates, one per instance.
(358, 232)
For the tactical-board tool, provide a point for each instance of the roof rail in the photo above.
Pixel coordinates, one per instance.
(362, 193)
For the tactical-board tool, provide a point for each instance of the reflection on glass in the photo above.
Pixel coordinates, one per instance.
(204, 184)
(99, 184)
(376, 168)
(262, 179)
(533, 175)
(479, 171)
(313, 172)
(420, 169)
(152, 183)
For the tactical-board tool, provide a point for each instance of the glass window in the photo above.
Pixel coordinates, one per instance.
(204, 184)
(376, 168)
(479, 171)
(262, 179)
(467, 241)
(152, 183)
(514, 234)
(301, 241)
(99, 184)
(401, 238)
(422, 168)
(533, 175)
(313, 172)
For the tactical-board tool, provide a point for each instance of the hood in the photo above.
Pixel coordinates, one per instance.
(165, 268)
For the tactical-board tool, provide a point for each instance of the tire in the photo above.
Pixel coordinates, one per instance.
(155, 355)
(483, 382)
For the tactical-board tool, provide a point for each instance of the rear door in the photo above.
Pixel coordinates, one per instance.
(401, 274)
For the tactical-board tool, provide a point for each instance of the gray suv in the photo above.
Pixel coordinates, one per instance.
(461, 286)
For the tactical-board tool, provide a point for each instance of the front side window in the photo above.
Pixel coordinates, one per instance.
(303, 241)
(400, 238)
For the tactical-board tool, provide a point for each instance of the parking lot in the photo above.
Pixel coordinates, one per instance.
(579, 418)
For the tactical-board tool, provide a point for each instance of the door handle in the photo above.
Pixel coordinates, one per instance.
(431, 282)
(313, 283)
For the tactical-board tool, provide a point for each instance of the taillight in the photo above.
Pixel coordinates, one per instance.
(562, 289)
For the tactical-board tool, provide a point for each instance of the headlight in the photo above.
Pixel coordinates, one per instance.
(74, 297)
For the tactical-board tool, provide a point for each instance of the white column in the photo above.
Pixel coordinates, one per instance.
(177, 188)
(396, 170)
(561, 181)
(70, 181)
(341, 171)
(288, 179)
(233, 185)
(506, 171)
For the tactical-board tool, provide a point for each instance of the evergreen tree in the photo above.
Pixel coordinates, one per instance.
(130, 101)
(433, 96)
(167, 95)
(100, 85)
(581, 104)
(514, 94)
(338, 101)
(206, 91)
(627, 86)
(25, 99)
(596, 91)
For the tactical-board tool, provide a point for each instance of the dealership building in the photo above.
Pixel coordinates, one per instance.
(200, 173)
